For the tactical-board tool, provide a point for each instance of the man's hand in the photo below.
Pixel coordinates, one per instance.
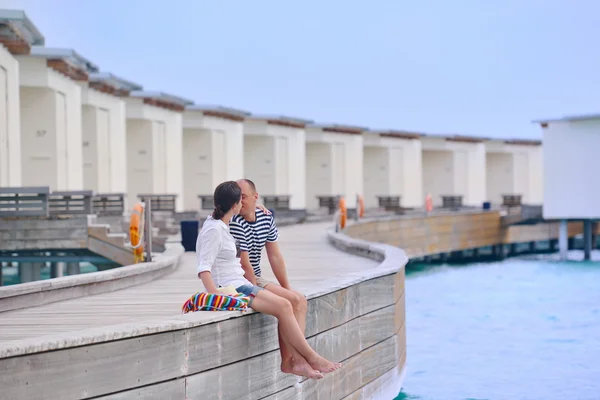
(277, 264)
(247, 267)
(263, 209)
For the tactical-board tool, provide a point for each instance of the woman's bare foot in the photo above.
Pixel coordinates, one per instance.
(286, 365)
(323, 365)
(301, 368)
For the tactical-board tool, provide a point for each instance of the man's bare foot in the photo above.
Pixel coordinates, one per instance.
(300, 368)
(323, 365)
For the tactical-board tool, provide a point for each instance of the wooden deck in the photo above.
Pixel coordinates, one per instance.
(313, 265)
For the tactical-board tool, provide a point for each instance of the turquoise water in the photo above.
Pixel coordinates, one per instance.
(517, 329)
(11, 273)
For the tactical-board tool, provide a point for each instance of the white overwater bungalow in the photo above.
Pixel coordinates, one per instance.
(392, 169)
(17, 35)
(155, 145)
(213, 151)
(334, 164)
(571, 191)
(514, 171)
(453, 168)
(104, 132)
(275, 160)
(51, 128)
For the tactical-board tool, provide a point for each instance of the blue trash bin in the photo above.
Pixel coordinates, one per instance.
(487, 205)
(189, 234)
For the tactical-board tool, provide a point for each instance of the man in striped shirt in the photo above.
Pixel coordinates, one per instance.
(254, 230)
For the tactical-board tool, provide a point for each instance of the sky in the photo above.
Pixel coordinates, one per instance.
(470, 67)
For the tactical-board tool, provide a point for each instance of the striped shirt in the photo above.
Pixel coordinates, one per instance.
(253, 236)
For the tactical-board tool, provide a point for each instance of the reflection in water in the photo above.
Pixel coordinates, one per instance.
(524, 328)
(10, 272)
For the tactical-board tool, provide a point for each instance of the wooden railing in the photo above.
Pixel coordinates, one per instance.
(105, 204)
(70, 203)
(452, 202)
(389, 203)
(329, 202)
(511, 200)
(24, 201)
(277, 202)
(206, 201)
(40, 202)
(159, 202)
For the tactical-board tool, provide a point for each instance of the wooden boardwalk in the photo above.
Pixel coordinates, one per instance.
(313, 266)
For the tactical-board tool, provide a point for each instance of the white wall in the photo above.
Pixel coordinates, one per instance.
(174, 161)
(199, 165)
(50, 116)
(526, 169)
(412, 193)
(10, 121)
(571, 188)
(274, 155)
(405, 167)
(213, 153)
(438, 175)
(467, 170)
(232, 133)
(346, 163)
(140, 179)
(377, 174)
(319, 172)
(500, 176)
(260, 164)
(162, 137)
(535, 194)
(104, 142)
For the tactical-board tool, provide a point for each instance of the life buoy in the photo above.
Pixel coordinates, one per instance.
(343, 212)
(428, 203)
(136, 231)
(360, 206)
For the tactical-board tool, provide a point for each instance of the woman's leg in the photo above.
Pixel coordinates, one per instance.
(269, 303)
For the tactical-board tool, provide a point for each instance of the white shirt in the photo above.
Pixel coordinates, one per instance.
(216, 251)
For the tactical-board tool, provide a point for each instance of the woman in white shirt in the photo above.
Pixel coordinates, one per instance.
(219, 266)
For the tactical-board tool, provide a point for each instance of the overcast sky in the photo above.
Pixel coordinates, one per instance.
(472, 67)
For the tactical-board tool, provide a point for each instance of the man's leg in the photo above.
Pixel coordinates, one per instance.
(299, 305)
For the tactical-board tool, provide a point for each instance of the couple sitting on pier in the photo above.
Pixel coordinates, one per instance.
(222, 263)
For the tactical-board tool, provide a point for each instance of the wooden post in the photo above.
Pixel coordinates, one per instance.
(587, 239)
(563, 239)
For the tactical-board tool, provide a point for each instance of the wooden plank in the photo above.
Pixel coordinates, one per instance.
(25, 189)
(260, 376)
(111, 367)
(358, 371)
(161, 391)
(313, 265)
(89, 371)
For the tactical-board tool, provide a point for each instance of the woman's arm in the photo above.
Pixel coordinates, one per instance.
(208, 246)
(207, 281)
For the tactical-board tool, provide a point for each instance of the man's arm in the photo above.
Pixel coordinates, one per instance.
(248, 269)
(277, 264)
(238, 233)
(275, 257)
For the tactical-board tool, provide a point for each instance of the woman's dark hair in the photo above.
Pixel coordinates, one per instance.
(227, 194)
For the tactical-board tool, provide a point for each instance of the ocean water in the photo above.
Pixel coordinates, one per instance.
(523, 328)
(11, 273)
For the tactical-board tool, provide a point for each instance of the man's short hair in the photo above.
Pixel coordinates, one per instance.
(249, 182)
